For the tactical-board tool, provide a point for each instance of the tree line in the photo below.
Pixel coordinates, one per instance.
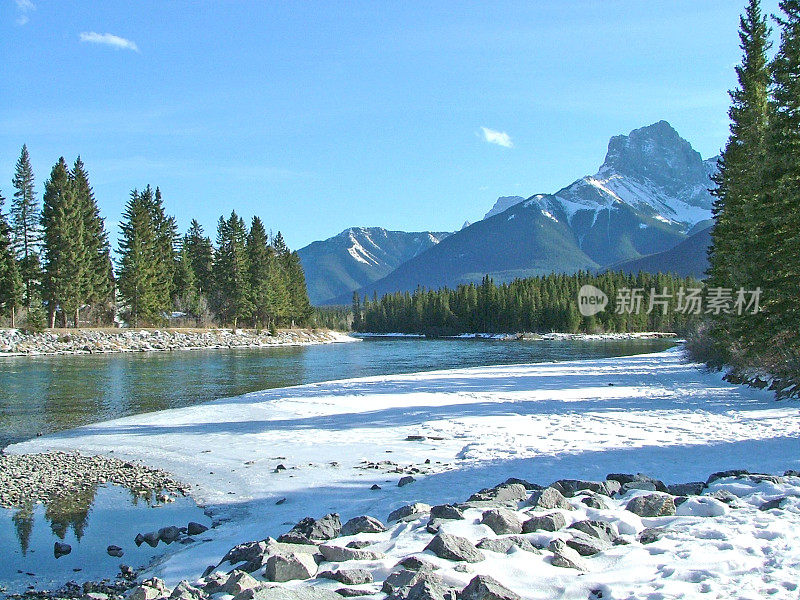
(536, 304)
(56, 264)
(756, 237)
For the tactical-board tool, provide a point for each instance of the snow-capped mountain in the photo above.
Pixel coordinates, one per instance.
(650, 193)
(503, 204)
(357, 257)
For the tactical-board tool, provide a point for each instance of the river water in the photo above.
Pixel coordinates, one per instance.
(40, 395)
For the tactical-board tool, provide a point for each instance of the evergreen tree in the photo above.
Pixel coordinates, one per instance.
(299, 305)
(185, 297)
(232, 272)
(98, 284)
(740, 181)
(25, 224)
(65, 253)
(260, 257)
(201, 255)
(139, 273)
(356, 310)
(10, 280)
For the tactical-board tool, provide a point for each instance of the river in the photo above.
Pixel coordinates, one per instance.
(44, 394)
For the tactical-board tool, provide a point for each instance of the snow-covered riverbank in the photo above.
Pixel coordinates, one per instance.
(14, 342)
(458, 431)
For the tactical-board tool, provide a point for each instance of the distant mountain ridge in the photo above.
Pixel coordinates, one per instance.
(357, 257)
(650, 192)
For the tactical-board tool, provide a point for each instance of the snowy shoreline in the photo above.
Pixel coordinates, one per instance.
(87, 341)
(641, 335)
(458, 431)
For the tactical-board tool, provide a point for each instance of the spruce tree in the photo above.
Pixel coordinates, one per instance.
(231, 271)
(98, 284)
(259, 256)
(139, 273)
(25, 224)
(65, 257)
(201, 256)
(740, 182)
(10, 280)
(299, 305)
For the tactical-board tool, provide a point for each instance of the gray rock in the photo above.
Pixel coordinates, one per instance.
(647, 486)
(185, 591)
(297, 593)
(341, 554)
(483, 587)
(145, 592)
(115, 551)
(414, 563)
(294, 537)
(363, 524)
(289, 567)
(506, 544)
(548, 499)
(652, 505)
(772, 504)
(409, 512)
(570, 487)
(693, 488)
(348, 576)
(549, 522)
(502, 521)
(169, 534)
(246, 552)
(138, 540)
(196, 528)
(526, 484)
(594, 501)
(358, 544)
(61, 549)
(725, 497)
(624, 478)
(404, 579)
(326, 528)
(723, 474)
(151, 538)
(447, 511)
(505, 493)
(601, 530)
(353, 592)
(612, 487)
(405, 481)
(650, 535)
(586, 545)
(566, 557)
(434, 525)
(453, 547)
(237, 582)
(427, 590)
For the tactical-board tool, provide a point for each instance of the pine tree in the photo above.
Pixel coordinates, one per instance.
(98, 284)
(166, 236)
(185, 296)
(231, 271)
(10, 280)
(139, 273)
(259, 257)
(740, 181)
(299, 304)
(65, 256)
(25, 224)
(201, 255)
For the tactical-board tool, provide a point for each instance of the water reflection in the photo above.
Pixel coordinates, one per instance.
(52, 393)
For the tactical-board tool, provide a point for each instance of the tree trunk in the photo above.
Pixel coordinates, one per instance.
(13, 318)
(77, 313)
(52, 318)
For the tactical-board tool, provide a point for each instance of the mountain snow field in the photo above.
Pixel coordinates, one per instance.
(323, 446)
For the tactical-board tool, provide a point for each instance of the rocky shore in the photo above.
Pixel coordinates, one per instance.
(30, 478)
(484, 547)
(14, 342)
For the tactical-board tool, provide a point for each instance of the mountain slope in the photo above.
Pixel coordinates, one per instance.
(650, 191)
(358, 256)
(689, 258)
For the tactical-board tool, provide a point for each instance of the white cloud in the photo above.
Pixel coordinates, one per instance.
(24, 7)
(501, 138)
(108, 39)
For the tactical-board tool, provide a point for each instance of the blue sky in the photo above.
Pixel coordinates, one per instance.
(319, 116)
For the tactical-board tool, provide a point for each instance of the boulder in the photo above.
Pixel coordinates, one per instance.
(358, 544)
(652, 505)
(296, 593)
(650, 535)
(548, 522)
(169, 534)
(772, 504)
(586, 545)
(502, 521)
(196, 528)
(570, 487)
(624, 478)
(566, 557)
(352, 592)
(548, 499)
(115, 551)
(409, 512)
(506, 544)
(341, 554)
(145, 592)
(348, 576)
(289, 567)
(693, 488)
(505, 493)
(526, 484)
(61, 549)
(647, 486)
(363, 524)
(185, 591)
(723, 474)
(453, 547)
(237, 582)
(601, 530)
(326, 528)
(404, 579)
(594, 501)
(484, 587)
(151, 538)
(414, 563)
(405, 481)
(246, 552)
(433, 526)
(427, 590)
(447, 511)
